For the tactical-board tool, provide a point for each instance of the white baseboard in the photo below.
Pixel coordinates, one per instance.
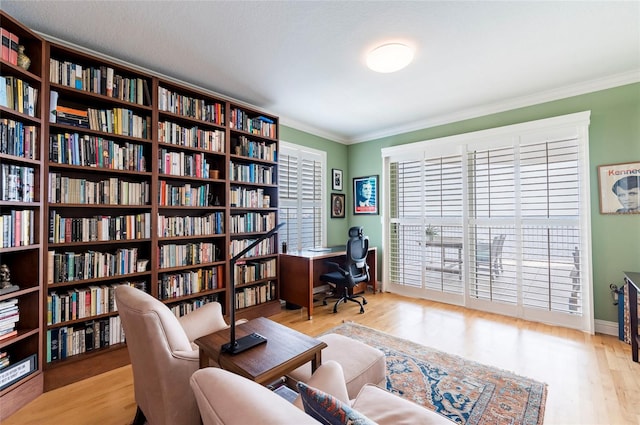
(606, 327)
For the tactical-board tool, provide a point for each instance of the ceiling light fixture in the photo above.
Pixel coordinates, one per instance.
(390, 57)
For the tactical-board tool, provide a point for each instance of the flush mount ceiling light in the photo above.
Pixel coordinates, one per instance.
(390, 57)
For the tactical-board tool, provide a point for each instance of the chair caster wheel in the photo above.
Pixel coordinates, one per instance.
(364, 302)
(362, 311)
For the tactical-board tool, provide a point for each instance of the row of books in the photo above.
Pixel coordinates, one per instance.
(183, 195)
(9, 317)
(18, 95)
(186, 307)
(100, 80)
(190, 282)
(17, 183)
(10, 42)
(76, 266)
(261, 126)
(192, 137)
(252, 222)
(18, 139)
(253, 149)
(175, 255)
(80, 303)
(96, 151)
(119, 121)
(190, 107)
(254, 270)
(266, 247)
(17, 228)
(251, 173)
(179, 226)
(98, 228)
(69, 341)
(111, 191)
(183, 164)
(254, 295)
(249, 198)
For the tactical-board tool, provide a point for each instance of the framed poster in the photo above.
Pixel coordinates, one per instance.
(336, 179)
(619, 188)
(365, 195)
(337, 205)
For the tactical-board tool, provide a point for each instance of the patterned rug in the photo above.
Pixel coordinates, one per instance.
(463, 390)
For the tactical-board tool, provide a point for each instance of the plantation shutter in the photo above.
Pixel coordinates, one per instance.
(300, 197)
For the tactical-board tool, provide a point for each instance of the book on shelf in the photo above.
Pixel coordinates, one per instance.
(5, 44)
(14, 40)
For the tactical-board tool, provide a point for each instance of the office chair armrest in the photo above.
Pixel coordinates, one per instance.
(337, 266)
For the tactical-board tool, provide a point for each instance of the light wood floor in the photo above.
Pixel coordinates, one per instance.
(591, 379)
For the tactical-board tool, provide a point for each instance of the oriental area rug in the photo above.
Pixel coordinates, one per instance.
(465, 391)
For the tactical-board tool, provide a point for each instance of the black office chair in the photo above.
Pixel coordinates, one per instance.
(352, 272)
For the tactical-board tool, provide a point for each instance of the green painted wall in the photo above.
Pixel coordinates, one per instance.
(614, 136)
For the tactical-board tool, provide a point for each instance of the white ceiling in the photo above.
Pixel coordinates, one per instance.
(304, 60)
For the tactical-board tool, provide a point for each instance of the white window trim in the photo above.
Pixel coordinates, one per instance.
(577, 125)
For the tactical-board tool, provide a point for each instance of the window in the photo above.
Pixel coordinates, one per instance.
(301, 173)
(496, 220)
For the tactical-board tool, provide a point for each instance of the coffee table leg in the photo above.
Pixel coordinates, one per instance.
(204, 359)
(316, 362)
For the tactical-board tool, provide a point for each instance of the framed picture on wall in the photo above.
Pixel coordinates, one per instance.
(365, 195)
(336, 179)
(337, 205)
(619, 186)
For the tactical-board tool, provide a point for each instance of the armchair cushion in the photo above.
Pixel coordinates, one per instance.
(328, 409)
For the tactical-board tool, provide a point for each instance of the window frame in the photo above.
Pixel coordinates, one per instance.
(576, 125)
(309, 154)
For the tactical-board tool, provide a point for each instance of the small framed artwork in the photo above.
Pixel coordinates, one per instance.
(365, 195)
(336, 179)
(619, 186)
(337, 205)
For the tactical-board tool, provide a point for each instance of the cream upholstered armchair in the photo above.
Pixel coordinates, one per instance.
(163, 356)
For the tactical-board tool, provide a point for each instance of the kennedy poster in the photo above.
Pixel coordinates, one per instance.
(619, 188)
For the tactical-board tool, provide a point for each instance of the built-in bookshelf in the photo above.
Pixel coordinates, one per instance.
(192, 146)
(253, 193)
(99, 208)
(121, 177)
(21, 219)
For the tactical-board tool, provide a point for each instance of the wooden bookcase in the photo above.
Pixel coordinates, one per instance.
(21, 208)
(99, 209)
(253, 205)
(161, 203)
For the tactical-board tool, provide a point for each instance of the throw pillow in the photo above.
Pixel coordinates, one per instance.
(328, 410)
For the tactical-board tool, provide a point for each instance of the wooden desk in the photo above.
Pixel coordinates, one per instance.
(300, 272)
(285, 350)
(633, 279)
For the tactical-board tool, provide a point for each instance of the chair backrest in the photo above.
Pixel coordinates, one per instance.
(497, 245)
(161, 379)
(357, 249)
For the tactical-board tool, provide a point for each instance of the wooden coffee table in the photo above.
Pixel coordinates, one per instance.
(285, 350)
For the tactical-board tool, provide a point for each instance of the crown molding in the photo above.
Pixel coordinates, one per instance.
(509, 104)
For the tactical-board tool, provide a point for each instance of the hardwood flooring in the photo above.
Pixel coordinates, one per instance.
(591, 379)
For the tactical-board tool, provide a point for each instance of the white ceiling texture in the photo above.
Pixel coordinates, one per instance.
(305, 60)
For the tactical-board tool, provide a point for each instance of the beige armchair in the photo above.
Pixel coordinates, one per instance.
(163, 356)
